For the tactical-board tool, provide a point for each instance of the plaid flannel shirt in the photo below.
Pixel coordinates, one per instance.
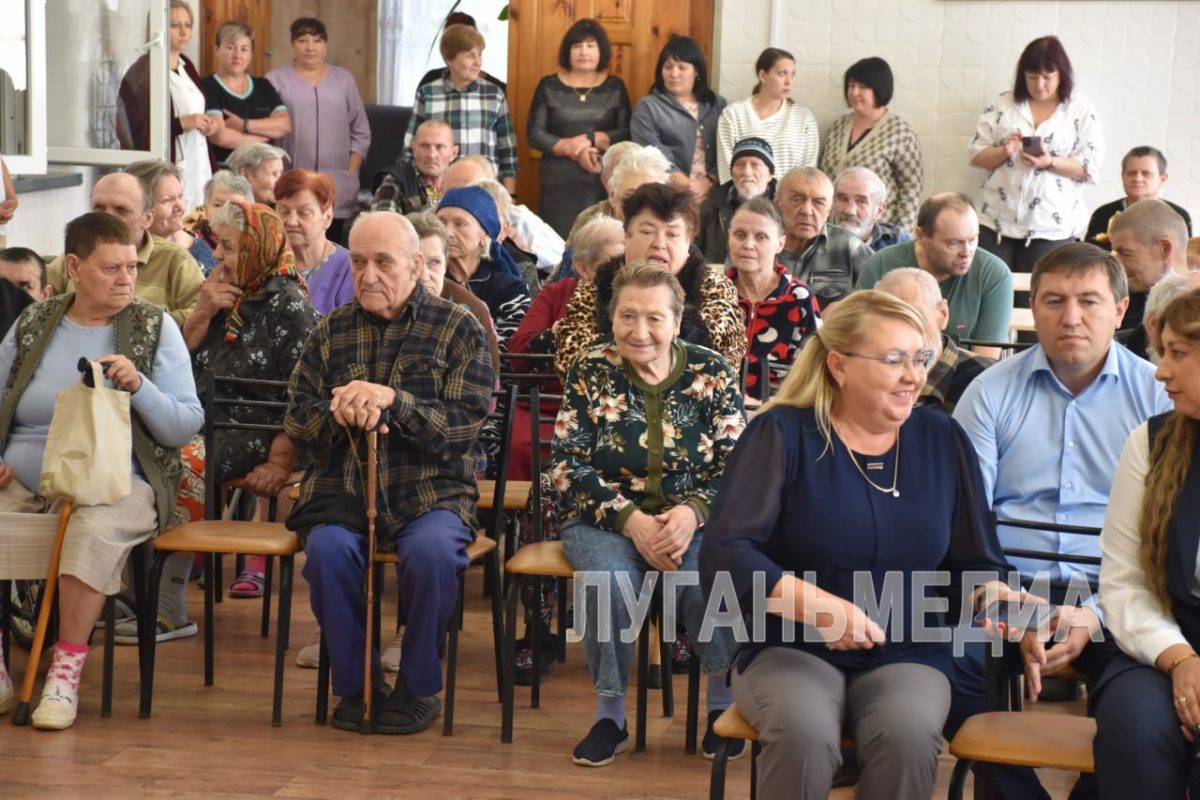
(949, 376)
(434, 356)
(478, 115)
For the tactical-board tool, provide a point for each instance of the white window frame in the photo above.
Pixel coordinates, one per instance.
(159, 103)
(33, 162)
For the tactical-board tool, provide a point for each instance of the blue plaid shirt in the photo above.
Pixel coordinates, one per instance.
(885, 235)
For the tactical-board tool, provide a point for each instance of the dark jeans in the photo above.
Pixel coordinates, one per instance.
(1019, 254)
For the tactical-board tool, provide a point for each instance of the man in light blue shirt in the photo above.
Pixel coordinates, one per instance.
(1049, 425)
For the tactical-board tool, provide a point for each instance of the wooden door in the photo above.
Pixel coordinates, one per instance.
(637, 29)
(255, 13)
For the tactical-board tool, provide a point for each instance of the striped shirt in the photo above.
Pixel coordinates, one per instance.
(434, 357)
(791, 131)
(479, 116)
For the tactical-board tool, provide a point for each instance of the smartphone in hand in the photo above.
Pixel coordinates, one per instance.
(1017, 615)
(1032, 145)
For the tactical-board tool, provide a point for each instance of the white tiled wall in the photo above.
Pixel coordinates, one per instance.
(1136, 60)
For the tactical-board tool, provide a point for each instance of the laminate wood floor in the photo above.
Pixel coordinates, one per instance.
(218, 742)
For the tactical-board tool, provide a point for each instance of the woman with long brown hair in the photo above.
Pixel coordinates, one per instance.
(1148, 702)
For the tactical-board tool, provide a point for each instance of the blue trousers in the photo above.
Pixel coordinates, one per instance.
(1139, 749)
(433, 557)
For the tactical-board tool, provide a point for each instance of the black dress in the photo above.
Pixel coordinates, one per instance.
(561, 112)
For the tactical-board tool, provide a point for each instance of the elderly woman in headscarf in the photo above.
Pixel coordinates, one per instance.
(479, 262)
(259, 316)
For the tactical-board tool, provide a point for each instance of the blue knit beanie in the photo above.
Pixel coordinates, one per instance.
(480, 205)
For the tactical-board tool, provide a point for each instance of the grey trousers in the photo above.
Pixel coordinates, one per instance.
(799, 704)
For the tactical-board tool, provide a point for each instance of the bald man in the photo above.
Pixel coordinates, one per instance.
(953, 368)
(418, 367)
(167, 274)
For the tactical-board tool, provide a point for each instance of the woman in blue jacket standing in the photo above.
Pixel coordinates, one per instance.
(680, 116)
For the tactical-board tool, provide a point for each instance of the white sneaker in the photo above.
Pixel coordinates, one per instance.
(391, 656)
(57, 708)
(8, 696)
(309, 656)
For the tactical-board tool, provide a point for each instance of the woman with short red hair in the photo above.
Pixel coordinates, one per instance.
(304, 201)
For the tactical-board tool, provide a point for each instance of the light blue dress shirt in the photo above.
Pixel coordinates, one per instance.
(1048, 455)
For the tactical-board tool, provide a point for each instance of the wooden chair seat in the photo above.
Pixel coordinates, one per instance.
(540, 559)
(475, 551)
(226, 537)
(1027, 738)
(516, 493)
(294, 493)
(732, 725)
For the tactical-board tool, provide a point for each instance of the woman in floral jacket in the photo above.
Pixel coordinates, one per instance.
(646, 423)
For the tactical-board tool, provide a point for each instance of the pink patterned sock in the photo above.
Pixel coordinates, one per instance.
(67, 666)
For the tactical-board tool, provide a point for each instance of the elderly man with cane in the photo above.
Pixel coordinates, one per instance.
(415, 369)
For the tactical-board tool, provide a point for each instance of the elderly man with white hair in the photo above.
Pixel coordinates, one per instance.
(416, 367)
(1146, 339)
(859, 201)
(953, 368)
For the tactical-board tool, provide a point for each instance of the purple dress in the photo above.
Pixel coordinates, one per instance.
(329, 285)
(328, 123)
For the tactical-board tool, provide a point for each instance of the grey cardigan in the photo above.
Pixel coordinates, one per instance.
(662, 121)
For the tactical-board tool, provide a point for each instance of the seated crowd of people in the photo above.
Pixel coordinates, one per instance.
(746, 324)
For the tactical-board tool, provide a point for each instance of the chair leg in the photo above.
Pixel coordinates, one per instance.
(322, 683)
(535, 629)
(958, 779)
(452, 659)
(510, 652)
(218, 575)
(693, 704)
(643, 667)
(211, 595)
(562, 619)
(668, 676)
(497, 624)
(5, 615)
(716, 785)
(147, 627)
(755, 749)
(268, 580)
(149, 644)
(281, 634)
(106, 685)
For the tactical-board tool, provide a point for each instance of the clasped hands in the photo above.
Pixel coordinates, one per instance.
(580, 150)
(359, 404)
(662, 539)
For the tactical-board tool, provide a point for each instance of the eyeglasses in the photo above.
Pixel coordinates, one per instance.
(894, 358)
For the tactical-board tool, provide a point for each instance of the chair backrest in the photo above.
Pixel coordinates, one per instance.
(1006, 348)
(537, 417)
(388, 125)
(225, 396)
(498, 431)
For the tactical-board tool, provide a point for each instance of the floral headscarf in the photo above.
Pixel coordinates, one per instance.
(263, 253)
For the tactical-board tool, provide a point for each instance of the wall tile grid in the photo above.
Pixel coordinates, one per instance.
(1135, 61)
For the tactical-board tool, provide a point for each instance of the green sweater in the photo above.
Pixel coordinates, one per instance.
(621, 445)
(981, 301)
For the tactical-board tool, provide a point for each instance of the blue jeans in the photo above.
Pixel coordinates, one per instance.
(433, 557)
(609, 658)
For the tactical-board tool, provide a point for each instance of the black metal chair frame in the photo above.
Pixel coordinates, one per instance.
(213, 500)
(1003, 684)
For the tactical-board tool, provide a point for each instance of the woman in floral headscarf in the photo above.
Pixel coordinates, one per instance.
(259, 316)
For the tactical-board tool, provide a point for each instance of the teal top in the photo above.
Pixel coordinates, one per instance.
(981, 301)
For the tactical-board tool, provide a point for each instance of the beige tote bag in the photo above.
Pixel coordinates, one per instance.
(89, 450)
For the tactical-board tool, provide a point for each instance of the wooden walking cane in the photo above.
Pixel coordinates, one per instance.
(21, 715)
(366, 726)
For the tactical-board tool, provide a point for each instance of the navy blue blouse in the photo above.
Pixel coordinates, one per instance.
(789, 503)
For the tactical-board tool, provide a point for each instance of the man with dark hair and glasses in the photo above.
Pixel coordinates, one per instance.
(1049, 425)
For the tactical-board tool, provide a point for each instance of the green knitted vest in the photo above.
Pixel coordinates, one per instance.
(137, 329)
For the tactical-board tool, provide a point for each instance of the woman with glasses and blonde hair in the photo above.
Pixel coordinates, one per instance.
(845, 483)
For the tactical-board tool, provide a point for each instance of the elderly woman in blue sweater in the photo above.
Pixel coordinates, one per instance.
(144, 354)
